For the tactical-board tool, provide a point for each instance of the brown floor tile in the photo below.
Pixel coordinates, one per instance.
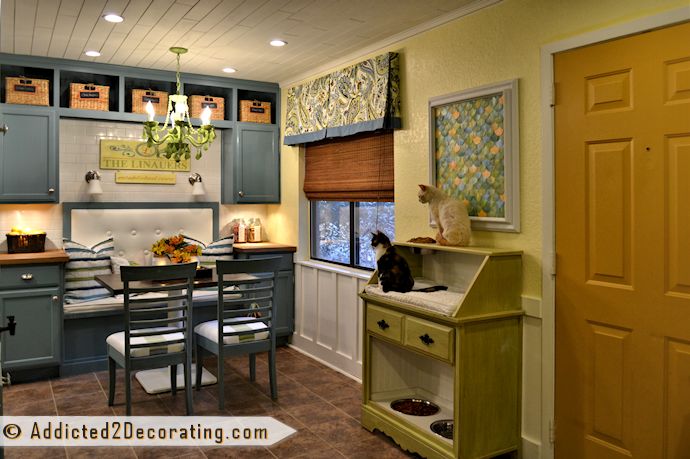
(296, 396)
(100, 452)
(28, 392)
(92, 404)
(151, 407)
(204, 402)
(329, 453)
(75, 385)
(337, 391)
(298, 444)
(238, 452)
(35, 453)
(28, 408)
(377, 447)
(163, 452)
(352, 406)
(341, 431)
(315, 413)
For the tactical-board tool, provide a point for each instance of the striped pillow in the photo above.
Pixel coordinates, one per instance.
(84, 264)
(216, 250)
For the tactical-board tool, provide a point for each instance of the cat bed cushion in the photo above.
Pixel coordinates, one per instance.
(442, 301)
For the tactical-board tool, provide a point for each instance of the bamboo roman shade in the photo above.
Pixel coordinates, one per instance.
(357, 168)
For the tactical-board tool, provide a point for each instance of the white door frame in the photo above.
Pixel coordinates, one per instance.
(548, 199)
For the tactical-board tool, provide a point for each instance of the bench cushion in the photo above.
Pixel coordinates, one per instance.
(117, 342)
(209, 330)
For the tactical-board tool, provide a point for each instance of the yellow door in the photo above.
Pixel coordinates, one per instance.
(622, 119)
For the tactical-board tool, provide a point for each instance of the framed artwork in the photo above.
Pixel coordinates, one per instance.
(474, 153)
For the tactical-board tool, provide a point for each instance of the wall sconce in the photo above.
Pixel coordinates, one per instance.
(197, 185)
(93, 178)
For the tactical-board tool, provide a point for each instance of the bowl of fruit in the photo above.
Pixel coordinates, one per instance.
(25, 240)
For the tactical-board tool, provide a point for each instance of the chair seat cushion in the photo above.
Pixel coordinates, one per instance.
(117, 342)
(209, 330)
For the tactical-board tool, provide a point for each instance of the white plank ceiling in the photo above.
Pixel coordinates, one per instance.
(218, 33)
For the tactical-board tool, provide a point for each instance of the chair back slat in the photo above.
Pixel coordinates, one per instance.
(151, 317)
(253, 299)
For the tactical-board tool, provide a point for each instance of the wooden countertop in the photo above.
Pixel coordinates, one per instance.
(49, 256)
(261, 247)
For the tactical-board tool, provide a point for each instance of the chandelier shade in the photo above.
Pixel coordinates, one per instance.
(177, 132)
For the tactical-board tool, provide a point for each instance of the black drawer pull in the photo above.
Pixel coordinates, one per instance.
(426, 339)
(382, 324)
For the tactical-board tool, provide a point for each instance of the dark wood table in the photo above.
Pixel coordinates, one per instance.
(114, 284)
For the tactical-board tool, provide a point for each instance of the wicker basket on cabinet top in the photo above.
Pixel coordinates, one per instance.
(27, 91)
(159, 100)
(198, 103)
(89, 96)
(255, 111)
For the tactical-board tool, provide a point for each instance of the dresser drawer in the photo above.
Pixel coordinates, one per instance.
(28, 276)
(384, 322)
(429, 337)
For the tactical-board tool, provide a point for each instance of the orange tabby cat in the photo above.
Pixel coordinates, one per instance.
(449, 214)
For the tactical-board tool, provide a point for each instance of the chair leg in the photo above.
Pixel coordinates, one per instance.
(128, 392)
(173, 379)
(188, 386)
(252, 367)
(221, 389)
(112, 370)
(272, 373)
(199, 365)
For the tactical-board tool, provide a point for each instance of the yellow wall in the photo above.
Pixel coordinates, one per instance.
(495, 44)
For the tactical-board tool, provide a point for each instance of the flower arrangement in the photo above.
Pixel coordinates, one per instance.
(176, 249)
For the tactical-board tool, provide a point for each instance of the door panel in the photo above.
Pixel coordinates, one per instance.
(622, 162)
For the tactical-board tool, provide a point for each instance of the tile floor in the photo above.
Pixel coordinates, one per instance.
(320, 403)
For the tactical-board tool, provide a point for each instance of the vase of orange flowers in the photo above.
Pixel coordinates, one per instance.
(175, 249)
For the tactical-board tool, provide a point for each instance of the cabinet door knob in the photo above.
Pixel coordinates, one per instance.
(55, 298)
(51, 190)
(382, 324)
(4, 128)
(426, 339)
(241, 193)
(27, 276)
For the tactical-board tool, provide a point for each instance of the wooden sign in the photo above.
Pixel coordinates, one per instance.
(135, 155)
(154, 178)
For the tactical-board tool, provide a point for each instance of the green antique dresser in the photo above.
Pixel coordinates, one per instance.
(458, 349)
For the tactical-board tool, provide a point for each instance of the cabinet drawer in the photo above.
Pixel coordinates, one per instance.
(384, 322)
(29, 276)
(429, 337)
(286, 263)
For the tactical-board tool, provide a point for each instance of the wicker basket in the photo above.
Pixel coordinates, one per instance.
(89, 96)
(255, 111)
(27, 91)
(26, 243)
(159, 100)
(198, 103)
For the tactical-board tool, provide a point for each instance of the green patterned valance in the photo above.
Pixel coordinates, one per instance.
(361, 97)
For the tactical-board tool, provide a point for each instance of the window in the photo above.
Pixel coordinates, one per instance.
(341, 230)
(349, 182)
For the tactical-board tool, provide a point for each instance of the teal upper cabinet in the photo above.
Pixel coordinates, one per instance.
(255, 165)
(28, 154)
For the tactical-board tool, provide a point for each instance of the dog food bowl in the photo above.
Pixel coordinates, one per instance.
(443, 427)
(415, 407)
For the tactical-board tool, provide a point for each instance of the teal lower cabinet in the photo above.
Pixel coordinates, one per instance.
(28, 154)
(32, 294)
(285, 286)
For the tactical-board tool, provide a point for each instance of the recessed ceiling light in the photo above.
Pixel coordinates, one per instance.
(92, 53)
(111, 17)
(277, 42)
(229, 70)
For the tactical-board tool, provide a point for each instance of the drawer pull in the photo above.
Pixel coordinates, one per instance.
(382, 324)
(27, 276)
(426, 339)
(55, 298)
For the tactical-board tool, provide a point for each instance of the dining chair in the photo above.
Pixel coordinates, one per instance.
(244, 320)
(157, 327)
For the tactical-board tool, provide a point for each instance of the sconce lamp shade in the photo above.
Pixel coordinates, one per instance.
(93, 178)
(197, 185)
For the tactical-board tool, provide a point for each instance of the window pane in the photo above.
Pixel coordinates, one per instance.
(331, 231)
(372, 216)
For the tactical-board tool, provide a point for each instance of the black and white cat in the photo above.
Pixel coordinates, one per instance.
(393, 270)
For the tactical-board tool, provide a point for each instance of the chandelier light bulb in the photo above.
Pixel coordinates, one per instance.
(206, 116)
(150, 110)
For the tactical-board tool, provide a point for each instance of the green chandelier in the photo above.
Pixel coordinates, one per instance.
(177, 132)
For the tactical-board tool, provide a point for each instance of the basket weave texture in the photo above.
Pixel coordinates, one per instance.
(26, 91)
(159, 100)
(89, 96)
(26, 243)
(255, 111)
(198, 103)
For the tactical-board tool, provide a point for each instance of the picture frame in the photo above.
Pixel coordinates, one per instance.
(474, 152)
